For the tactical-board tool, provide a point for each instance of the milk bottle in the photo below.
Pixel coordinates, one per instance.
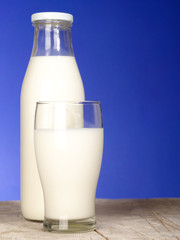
(52, 75)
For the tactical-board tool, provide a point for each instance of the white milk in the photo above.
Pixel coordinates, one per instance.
(69, 163)
(48, 78)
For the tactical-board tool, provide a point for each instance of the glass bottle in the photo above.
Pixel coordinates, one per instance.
(52, 75)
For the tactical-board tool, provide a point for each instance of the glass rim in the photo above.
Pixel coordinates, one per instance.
(69, 102)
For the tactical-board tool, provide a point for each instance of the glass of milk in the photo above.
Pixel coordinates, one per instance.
(69, 146)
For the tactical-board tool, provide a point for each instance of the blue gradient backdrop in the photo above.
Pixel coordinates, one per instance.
(128, 54)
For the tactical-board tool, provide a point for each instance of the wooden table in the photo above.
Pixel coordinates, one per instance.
(116, 220)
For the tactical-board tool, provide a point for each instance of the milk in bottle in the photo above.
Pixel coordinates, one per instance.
(52, 75)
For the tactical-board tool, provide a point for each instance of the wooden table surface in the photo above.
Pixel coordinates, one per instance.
(116, 220)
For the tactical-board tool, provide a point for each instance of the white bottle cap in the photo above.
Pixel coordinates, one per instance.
(52, 16)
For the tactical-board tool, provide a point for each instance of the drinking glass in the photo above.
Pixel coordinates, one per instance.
(69, 145)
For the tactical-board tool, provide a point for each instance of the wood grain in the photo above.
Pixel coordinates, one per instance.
(139, 219)
(116, 220)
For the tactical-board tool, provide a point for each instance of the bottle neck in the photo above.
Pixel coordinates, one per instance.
(52, 38)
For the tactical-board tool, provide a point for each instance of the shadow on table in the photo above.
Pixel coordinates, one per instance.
(133, 207)
(9, 209)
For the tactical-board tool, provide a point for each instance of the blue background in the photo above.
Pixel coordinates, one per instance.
(128, 53)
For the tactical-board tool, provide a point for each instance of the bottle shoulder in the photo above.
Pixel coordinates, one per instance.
(52, 74)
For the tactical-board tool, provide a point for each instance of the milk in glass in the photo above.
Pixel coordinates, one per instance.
(69, 162)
